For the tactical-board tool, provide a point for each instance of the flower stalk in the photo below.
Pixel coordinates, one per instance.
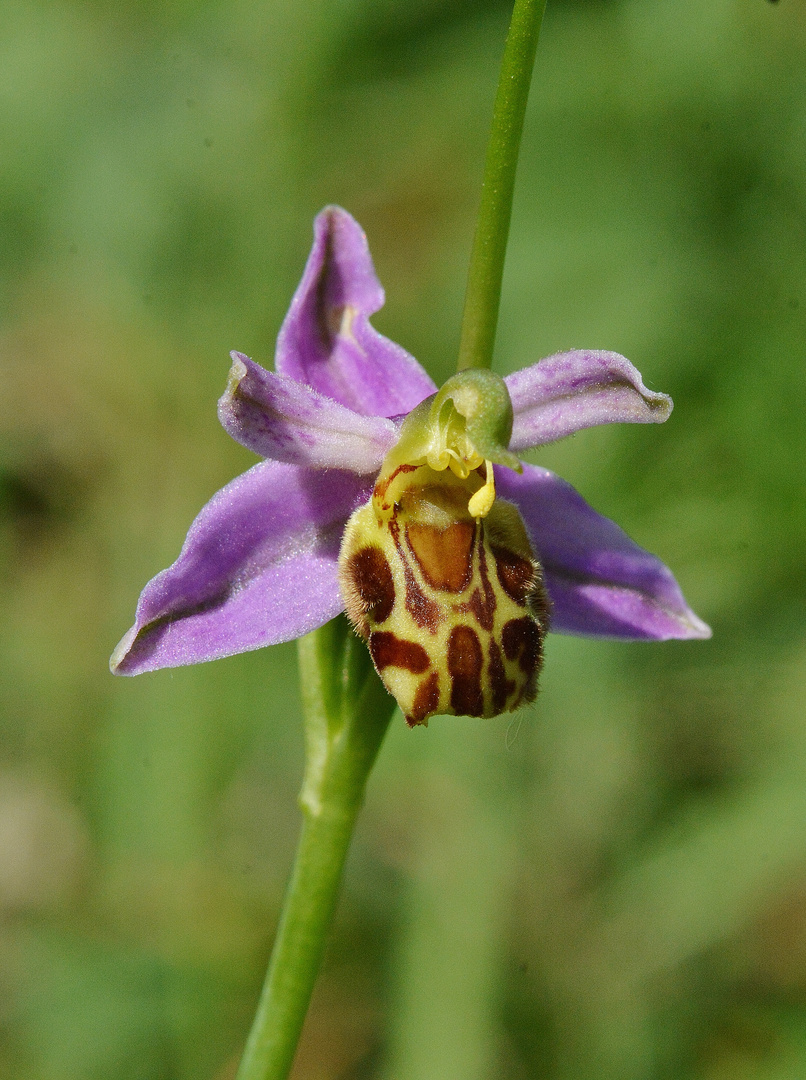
(486, 272)
(347, 712)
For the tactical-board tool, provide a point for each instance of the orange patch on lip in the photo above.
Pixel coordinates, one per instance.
(444, 555)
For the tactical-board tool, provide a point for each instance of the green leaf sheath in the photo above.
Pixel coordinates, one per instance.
(492, 228)
(347, 712)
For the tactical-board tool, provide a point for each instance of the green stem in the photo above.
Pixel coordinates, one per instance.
(347, 712)
(492, 228)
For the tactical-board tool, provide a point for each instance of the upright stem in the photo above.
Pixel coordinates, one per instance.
(301, 937)
(347, 712)
(492, 228)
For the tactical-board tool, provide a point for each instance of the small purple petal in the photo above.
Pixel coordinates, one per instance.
(287, 421)
(258, 567)
(574, 390)
(326, 340)
(601, 583)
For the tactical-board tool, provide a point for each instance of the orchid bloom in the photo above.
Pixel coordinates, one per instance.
(456, 556)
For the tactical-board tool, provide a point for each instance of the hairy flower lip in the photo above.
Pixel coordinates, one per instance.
(259, 564)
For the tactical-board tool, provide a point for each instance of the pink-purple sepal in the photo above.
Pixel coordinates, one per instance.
(258, 567)
(573, 390)
(600, 582)
(326, 339)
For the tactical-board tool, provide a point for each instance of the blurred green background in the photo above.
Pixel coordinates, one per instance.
(611, 884)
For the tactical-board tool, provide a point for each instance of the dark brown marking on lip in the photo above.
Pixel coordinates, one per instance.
(388, 650)
(423, 610)
(516, 574)
(383, 485)
(523, 642)
(482, 603)
(444, 555)
(369, 574)
(500, 685)
(464, 668)
(426, 701)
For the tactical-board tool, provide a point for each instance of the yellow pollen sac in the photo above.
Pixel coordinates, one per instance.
(482, 502)
(437, 575)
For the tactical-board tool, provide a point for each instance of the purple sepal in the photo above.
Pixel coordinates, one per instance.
(326, 339)
(574, 390)
(258, 567)
(279, 418)
(600, 582)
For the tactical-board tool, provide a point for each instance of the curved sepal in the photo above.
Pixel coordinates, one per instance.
(259, 566)
(579, 389)
(326, 339)
(279, 418)
(599, 581)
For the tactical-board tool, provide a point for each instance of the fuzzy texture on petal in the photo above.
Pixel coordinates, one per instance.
(279, 418)
(259, 566)
(600, 582)
(326, 339)
(574, 390)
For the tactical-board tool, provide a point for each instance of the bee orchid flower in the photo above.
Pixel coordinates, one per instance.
(407, 506)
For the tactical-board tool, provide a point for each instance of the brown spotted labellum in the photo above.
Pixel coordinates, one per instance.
(437, 574)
